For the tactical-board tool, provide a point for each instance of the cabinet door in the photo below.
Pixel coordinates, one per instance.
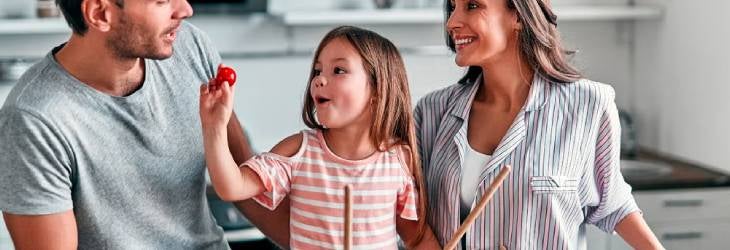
(685, 205)
(596, 239)
(695, 236)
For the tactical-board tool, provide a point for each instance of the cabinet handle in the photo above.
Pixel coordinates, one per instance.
(683, 203)
(682, 236)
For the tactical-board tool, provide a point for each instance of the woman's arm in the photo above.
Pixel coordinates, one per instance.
(634, 230)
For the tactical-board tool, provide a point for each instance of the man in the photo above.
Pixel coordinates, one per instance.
(101, 146)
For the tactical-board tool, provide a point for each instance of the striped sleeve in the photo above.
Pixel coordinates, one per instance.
(275, 173)
(407, 200)
(616, 201)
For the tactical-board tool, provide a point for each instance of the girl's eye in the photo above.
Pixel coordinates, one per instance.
(316, 72)
(451, 7)
(163, 1)
(339, 70)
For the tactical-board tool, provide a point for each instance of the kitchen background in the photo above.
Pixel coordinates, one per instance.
(667, 60)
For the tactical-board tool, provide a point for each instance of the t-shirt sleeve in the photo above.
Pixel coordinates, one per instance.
(35, 165)
(203, 51)
(407, 206)
(275, 173)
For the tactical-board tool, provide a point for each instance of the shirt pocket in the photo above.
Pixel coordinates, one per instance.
(552, 184)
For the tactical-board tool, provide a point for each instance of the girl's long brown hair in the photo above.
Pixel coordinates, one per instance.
(393, 123)
(539, 38)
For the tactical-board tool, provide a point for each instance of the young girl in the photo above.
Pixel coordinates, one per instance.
(362, 133)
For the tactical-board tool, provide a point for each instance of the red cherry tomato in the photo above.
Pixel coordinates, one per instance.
(225, 74)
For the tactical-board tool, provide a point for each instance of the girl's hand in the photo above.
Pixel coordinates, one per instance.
(216, 105)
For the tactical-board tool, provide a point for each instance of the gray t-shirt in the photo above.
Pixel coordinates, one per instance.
(131, 168)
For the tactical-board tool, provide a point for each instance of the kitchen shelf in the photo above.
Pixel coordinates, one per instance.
(31, 26)
(435, 16)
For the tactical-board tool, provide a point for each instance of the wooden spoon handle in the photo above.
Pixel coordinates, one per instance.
(480, 206)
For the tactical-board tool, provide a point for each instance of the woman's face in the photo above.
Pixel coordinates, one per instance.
(482, 30)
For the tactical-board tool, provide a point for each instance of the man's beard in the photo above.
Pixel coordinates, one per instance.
(131, 41)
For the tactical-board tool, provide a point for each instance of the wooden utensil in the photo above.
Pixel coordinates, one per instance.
(480, 206)
(348, 217)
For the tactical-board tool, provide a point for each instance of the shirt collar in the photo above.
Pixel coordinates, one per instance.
(536, 98)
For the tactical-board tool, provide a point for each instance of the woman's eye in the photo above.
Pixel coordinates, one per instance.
(339, 70)
(316, 72)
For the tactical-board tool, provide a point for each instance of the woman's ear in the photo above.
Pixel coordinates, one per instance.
(517, 23)
(97, 14)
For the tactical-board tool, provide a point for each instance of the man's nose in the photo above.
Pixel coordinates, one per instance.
(182, 9)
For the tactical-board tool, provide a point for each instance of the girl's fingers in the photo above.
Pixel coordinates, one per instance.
(227, 89)
(203, 89)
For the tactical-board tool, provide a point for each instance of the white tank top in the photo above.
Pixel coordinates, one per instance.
(474, 164)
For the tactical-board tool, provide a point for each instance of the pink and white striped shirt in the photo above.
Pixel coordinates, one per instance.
(314, 178)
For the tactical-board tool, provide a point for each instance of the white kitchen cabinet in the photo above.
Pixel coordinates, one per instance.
(596, 239)
(696, 219)
(684, 205)
(698, 235)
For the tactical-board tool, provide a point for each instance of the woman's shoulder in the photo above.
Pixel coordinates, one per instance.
(587, 91)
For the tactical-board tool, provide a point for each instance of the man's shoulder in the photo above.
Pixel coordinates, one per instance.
(194, 50)
(39, 90)
(191, 39)
(188, 31)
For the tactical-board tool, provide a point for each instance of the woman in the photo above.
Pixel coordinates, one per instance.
(522, 104)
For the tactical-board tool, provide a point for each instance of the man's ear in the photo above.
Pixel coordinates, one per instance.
(98, 14)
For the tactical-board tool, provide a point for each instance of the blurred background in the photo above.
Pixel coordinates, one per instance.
(667, 61)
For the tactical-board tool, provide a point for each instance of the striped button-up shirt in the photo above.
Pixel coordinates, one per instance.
(564, 149)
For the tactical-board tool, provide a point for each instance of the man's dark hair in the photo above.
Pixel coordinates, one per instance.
(71, 10)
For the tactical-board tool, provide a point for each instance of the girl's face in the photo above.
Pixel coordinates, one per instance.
(341, 89)
(482, 30)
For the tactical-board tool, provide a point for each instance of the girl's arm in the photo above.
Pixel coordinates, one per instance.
(634, 230)
(230, 182)
(407, 230)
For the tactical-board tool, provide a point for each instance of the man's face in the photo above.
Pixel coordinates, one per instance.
(147, 28)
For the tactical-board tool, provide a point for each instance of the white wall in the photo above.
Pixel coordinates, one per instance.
(681, 93)
(5, 242)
